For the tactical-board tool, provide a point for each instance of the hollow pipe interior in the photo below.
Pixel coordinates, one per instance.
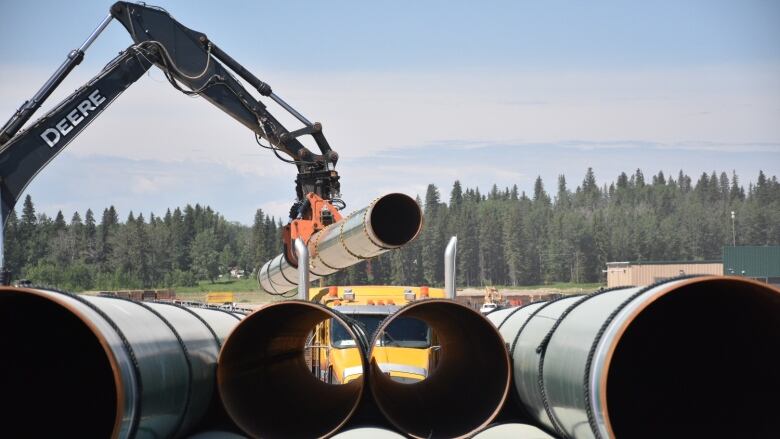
(265, 383)
(51, 359)
(701, 361)
(395, 219)
(465, 390)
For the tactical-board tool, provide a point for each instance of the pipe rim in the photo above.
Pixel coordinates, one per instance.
(341, 319)
(57, 298)
(368, 219)
(424, 302)
(625, 315)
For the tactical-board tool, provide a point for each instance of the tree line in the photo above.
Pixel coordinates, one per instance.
(506, 237)
(178, 249)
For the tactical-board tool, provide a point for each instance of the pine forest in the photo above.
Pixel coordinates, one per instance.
(564, 233)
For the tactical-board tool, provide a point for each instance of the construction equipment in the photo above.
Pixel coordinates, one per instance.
(406, 352)
(194, 65)
(493, 300)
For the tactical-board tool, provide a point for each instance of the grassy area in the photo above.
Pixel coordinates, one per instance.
(234, 285)
(239, 297)
(244, 291)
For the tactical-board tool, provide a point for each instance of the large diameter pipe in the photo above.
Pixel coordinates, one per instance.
(266, 385)
(512, 430)
(85, 366)
(464, 391)
(389, 222)
(689, 357)
(216, 434)
(509, 321)
(368, 432)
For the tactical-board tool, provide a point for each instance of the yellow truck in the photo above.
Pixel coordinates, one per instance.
(406, 351)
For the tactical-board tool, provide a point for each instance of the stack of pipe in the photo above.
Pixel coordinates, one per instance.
(267, 387)
(86, 366)
(689, 357)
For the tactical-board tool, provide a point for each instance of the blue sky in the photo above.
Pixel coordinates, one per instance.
(412, 93)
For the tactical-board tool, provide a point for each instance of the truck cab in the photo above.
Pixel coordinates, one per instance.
(406, 351)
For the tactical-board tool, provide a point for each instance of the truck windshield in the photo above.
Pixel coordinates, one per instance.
(406, 332)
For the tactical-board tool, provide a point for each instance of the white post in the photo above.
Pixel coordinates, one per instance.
(303, 269)
(450, 257)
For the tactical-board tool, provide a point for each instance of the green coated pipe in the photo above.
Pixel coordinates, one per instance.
(688, 357)
(87, 366)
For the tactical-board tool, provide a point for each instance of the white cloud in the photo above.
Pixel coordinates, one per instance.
(401, 131)
(364, 113)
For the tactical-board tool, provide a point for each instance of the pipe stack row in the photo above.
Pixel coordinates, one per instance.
(687, 357)
(116, 368)
(105, 367)
(694, 357)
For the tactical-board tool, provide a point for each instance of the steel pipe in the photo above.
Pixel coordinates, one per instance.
(368, 432)
(498, 316)
(87, 366)
(265, 384)
(217, 434)
(512, 430)
(389, 222)
(464, 391)
(689, 357)
(509, 321)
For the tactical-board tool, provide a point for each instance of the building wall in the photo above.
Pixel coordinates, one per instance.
(757, 262)
(636, 274)
(649, 274)
(618, 274)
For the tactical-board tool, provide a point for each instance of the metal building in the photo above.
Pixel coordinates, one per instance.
(649, 272)
(758, 262)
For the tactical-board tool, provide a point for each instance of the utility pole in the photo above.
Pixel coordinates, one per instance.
(733, 230)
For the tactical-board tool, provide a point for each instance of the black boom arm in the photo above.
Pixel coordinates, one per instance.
(194, 65)
(28, 152)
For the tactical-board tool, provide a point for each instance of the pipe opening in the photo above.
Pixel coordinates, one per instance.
(266, 383)
(396, 219)
(56, 378)
(468, 379)
(701, 361)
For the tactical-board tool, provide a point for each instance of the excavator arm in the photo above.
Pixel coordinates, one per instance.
(193, 64)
